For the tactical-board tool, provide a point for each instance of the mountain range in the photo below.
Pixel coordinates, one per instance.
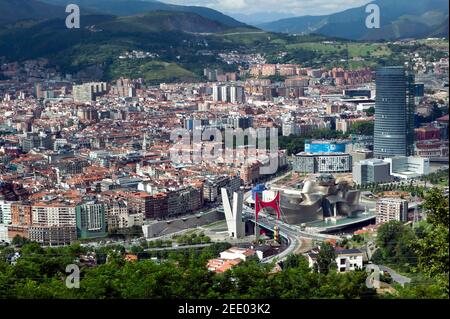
(12, 11)
(182, 36)
(259, 17)
(398, 19)
(133, 7)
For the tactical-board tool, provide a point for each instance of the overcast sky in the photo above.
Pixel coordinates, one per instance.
(296, 7)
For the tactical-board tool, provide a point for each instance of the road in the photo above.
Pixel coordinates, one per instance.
(269, 182)
(294, 243)
(293, 234)
(400, 279)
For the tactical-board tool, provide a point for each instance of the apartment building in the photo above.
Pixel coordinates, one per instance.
(5, 212)
(249, 173)
(388, 209)
(88, 92)
(53, 222)
(118, 216)
(21, 219)
(91, 220)
(52, 235)
(213, 184)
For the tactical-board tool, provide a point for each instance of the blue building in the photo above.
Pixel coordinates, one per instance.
(258, 189)
(324, 146)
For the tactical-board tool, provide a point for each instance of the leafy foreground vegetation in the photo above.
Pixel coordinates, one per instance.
(40, 273)
(420, 252)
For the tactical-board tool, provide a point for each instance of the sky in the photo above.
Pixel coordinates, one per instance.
(296, 7)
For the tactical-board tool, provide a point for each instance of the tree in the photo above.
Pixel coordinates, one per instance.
(326, 259)
(362, 128)
(19, 241)
(136, 249)
(358, 238)
(436, 206)
(370, 111)
(433, 246)
(296, 261)
(393, 240)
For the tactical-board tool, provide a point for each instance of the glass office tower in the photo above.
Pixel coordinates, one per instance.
(394, 113)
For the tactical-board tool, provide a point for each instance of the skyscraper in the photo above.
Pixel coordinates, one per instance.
(217, 93)
(394, 113)
(236, 94)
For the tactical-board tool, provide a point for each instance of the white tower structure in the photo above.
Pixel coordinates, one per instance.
(144, 143)
(236, 227)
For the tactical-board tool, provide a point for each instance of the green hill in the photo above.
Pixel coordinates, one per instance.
(102, 39)
(161, 21)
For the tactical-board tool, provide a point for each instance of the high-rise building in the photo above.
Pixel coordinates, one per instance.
(371, 171)
(54, 213)
(88, 92)
(5, 212)
(242, 122)
(290, 127)
(36, 140)
(237, 94)
(124, 88)
(388, 209)
(217, 93)
(394, 113)
(227, 93)
(90, 220)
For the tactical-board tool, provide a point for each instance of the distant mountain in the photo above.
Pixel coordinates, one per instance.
(399, 19)
(260, 17)
(12, 11)
(164, 21)
(133, 7)
(298, 25)
(441, 30)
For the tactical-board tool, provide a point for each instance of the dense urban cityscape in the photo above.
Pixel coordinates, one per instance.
(256, 173)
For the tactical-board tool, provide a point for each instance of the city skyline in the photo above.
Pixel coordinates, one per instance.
(158, 151)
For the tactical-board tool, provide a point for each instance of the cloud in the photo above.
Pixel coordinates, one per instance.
(297, 7)
(233, 4)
